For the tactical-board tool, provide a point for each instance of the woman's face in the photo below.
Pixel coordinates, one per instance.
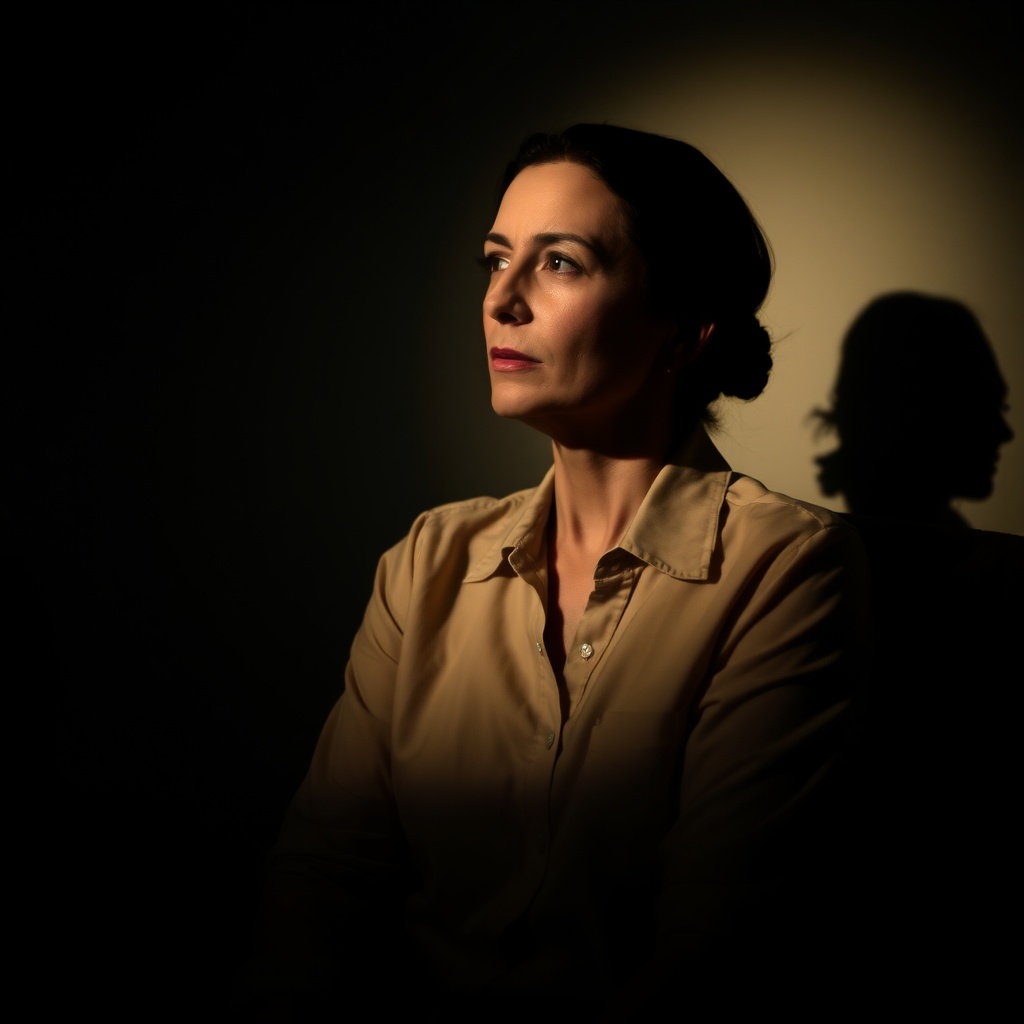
(571, 346)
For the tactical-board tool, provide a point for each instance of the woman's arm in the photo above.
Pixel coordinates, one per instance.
(335, 878)
(750, 859)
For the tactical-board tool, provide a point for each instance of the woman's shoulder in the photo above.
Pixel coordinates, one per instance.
(748, 496)
(464, 531)
(758, 515)
(473, 513)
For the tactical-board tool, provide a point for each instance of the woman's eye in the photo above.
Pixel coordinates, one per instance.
(492, 262)
(562, 264)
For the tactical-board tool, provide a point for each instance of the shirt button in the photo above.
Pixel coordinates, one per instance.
(586, 651)
(540, 650)
(549, 739)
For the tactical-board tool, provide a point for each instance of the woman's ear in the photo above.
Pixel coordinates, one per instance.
(687, 345)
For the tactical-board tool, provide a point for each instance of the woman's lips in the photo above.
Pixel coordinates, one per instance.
(506, 359)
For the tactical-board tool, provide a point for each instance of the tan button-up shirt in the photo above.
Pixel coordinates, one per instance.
(705, 693)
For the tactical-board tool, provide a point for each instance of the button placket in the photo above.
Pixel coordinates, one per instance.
(600, 621)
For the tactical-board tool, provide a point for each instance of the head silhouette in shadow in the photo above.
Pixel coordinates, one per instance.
(918, 407)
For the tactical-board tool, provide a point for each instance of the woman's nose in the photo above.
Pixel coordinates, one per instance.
(1007, 430)
(506, 300)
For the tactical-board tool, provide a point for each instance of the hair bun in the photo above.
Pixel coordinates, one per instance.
(747, 358)
(736, 362)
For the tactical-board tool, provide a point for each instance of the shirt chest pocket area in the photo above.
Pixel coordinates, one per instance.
(627, 786)
(632, 751)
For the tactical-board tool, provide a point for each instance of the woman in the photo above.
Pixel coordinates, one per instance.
(583, 726)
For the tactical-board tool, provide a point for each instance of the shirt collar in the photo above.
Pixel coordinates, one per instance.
(676, 527)
(524, 540)
(674, 530)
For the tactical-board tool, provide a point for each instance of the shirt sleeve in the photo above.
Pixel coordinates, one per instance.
(763, 759)
(335, 878)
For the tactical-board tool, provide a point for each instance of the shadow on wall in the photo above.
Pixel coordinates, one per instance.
(929, 844)
(914, 366)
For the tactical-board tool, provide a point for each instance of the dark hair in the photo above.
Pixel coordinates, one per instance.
(707, 259)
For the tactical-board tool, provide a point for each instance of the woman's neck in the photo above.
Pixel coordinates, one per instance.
(597, 496)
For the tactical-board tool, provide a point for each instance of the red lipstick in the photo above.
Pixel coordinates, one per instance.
(506, 359)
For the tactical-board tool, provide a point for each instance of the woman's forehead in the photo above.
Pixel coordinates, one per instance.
(561, 197)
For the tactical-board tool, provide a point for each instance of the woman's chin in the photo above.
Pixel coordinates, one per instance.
(511, 405)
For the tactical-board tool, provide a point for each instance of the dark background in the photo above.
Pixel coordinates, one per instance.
(215, 416)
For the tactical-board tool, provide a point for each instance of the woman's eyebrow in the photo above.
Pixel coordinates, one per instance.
(550, 238)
